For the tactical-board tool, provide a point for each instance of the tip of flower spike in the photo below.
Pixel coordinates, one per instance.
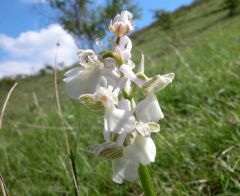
(122, 24)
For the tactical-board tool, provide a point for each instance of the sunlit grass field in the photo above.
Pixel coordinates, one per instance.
(198, 147)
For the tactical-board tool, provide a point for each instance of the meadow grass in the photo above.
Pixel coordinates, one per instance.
(198, 148)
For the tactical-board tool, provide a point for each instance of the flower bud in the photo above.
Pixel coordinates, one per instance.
(122, 24)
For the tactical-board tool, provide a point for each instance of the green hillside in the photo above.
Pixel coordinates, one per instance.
(198, 148)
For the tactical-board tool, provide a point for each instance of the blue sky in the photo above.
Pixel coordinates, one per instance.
(23, 23)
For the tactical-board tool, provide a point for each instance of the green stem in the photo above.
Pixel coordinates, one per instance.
(146, 181)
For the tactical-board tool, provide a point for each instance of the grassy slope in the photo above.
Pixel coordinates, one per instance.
(198, 150)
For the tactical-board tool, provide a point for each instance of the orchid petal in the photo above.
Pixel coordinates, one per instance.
(157, 83)
(154, 127)
(109, 62)
(81, 81)
(127, 71)
(141, 65)
(85, 54)
(106, 97)
(112, 76)
(73, 72)
(148, 110)
(124, 169)
(106, 132)
(120, 85)
(124, 104)
(88, 101)
(148, 152)
(131, 64)
(126, 54)
(143, 151)
(143, 129)
(125, 43)
(120, 121)
(109, 150)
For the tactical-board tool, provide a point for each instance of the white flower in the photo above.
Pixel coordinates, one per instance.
(122, 24)
(106, 97)
(108, 83)
(120, 121)
(141, 151)
(148, 110)
(115, 120)
(85, 79)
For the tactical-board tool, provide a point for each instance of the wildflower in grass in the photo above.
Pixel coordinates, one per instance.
(108, 82)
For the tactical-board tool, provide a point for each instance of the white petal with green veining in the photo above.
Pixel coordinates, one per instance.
(90, 102)
(109, 150)
(157, 83)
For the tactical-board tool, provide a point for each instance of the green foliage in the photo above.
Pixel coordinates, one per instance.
(48, 69)
(164, 18)
(198, 144)
(86, 20)
(232, 5)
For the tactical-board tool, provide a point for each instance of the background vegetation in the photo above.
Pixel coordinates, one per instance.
(198, 146)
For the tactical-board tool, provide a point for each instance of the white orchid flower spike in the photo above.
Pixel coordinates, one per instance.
(107, 83)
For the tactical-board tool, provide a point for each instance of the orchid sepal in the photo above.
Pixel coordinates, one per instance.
(109, 150)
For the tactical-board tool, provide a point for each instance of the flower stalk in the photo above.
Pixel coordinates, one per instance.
(146, 181)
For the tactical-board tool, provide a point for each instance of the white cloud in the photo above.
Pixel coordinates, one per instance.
(31, 50)
(9, 68)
